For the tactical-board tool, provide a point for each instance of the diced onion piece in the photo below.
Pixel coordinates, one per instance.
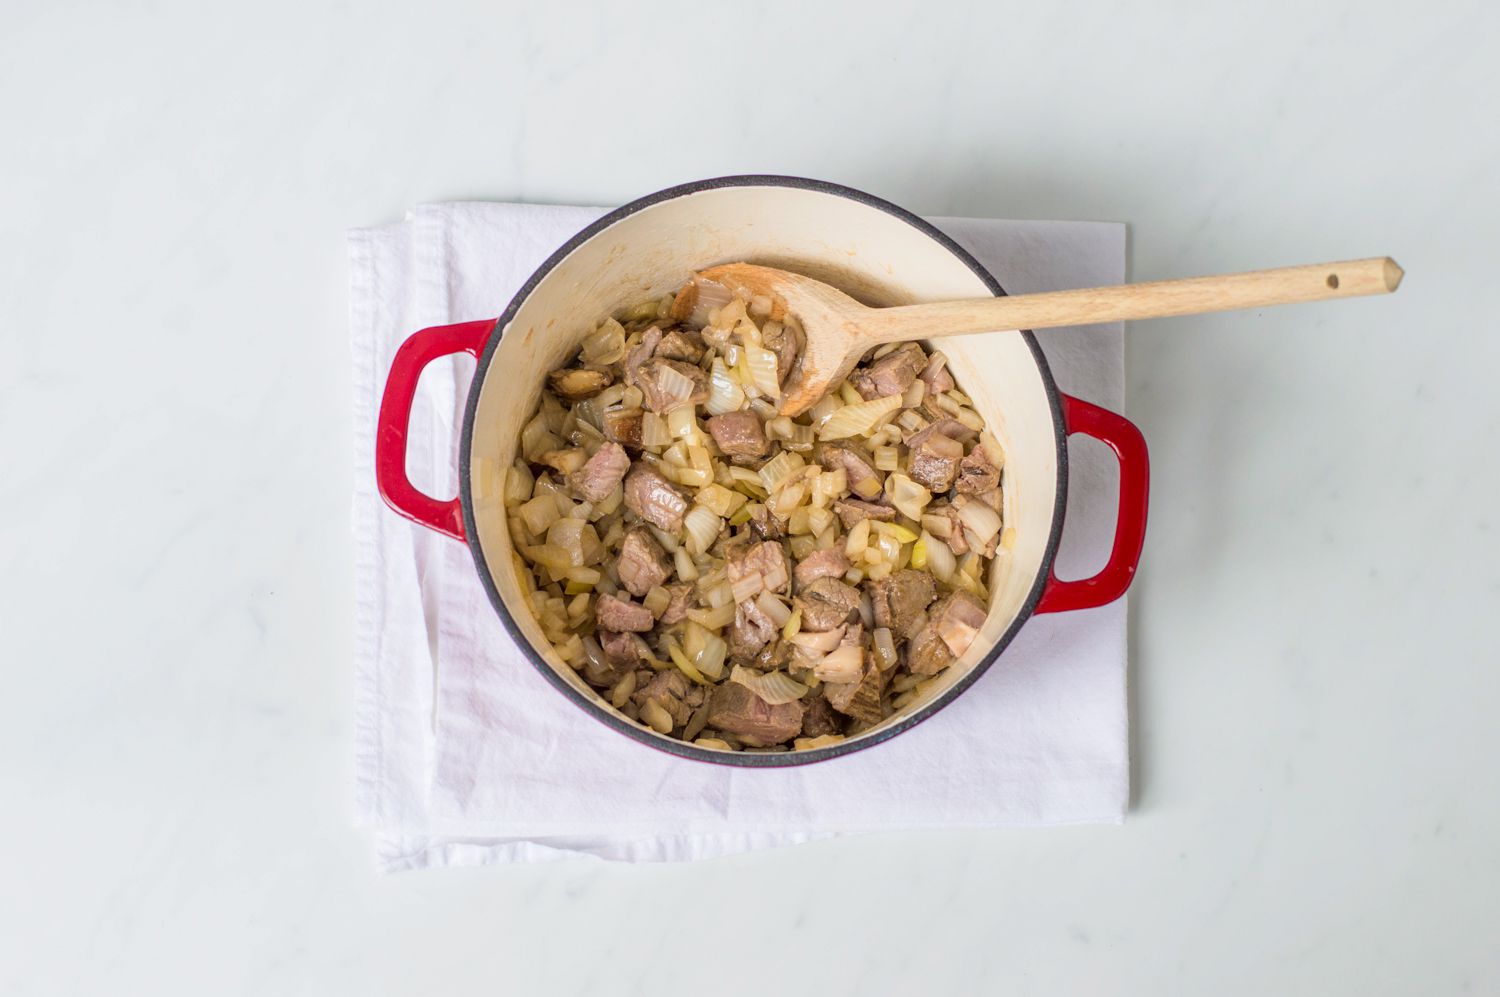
(720, 500)
(518, 483)
(724, 392)
(907, 496)
(682, 423)
(979, 518)
(710, 660)
(885, 647)
(842, 664)
(701, 529)
(606, 345)
(779, 470)
(857, 420)
(787, 500)
(896, 530)
(673, 386)
(654, 431)
(819, 520)
(657, 600)
(747, 586)
(776, 688)
(919, 553)
(655, 717)
(887, 458)
(686, 570)
(940, 561)
(683, 664)
(539, 514)
(914, 394)
(818, 642)
(774, 608)
(762, 366)
(578, 538)
(716, 618)
(793, 624)
(808, 743)
(859, 536)
(550, 557)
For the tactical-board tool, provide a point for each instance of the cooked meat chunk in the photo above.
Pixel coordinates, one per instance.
(768, 558)
(819, 718)
(830, 563)
(978, 473)
(826, 604)
(654, 499)
(892, 374)
(642, 564)
(576, 384)
(898, 600)
(737, 710)
(767, 525)
(739, 434)
(934, 462)
(670, 691)
(927, 654)
(621, 651)
(623, 426)
(945, 426)
(956, 618)
(620, 615)
(670, 384)
(971, 539)
(597, 478)
(750, 631)
(773, 656)
(681, 344)
(851, 511)
(862, 477)
(637, 357)
(681, 602)
(783, 342)
(935, 375)
(860, 700)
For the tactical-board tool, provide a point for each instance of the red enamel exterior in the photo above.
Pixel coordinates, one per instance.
(1121, 436)
(443, 515)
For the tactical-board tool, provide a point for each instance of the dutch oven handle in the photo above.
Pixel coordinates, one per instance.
(1129, 446)
(395, 419)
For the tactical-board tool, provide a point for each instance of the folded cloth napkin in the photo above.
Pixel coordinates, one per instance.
(466, 756)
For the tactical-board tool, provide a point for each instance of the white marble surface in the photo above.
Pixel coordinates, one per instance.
(1315, 675)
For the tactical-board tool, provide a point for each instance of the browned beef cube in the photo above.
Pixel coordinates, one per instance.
(859, 700)
(682, 600)
(621, 651)
(927, 654)
(899, 599)
(892, 374)
(978, 474)
(819, 718)
(851, 511)
(670, 691)
(768, 558)
(944, 425)
(956, 618)
(621, 615)
(863, 479)
(829, 563)
(597, 478)
(652, 497)
(934, 463)
(826, 604)
(737, 710)
(935, 375)
(642, 564)
(636, 359)
(681, 344)
(750, 631)
(739, 434)
(766, 525)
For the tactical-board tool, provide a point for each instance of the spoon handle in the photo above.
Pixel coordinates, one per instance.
(1126, 302)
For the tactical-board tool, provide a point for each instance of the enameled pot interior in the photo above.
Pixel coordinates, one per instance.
(875, 255)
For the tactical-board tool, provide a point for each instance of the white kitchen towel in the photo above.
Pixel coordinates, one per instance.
(466, 756)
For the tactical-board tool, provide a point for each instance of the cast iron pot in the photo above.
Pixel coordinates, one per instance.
(874, 250)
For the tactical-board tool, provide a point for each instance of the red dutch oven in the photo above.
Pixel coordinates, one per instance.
(876, 251)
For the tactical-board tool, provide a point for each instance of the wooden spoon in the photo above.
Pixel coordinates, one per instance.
(840, 330)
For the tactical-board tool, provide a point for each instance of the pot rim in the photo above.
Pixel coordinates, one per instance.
(684, 749)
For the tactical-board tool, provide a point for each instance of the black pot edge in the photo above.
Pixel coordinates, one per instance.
(684, 749)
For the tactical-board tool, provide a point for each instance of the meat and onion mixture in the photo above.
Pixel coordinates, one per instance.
(740, 579)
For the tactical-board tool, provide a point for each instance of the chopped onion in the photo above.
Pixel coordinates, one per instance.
(686, 570)
(793, 624)
(761, 363)
(606, 345)
(979, 518)
(907, 496)
(720, 500)
(654, 432)
(940, 560)
(674, 387)
(776, 688)
(539, 514)
(710, 660)
(857, 420)
(842, 664)
(683, 424)
(700, 528)
(887, 458)
(854, 546)
(657, 600)
(885, 647)
(808, 743)
(716, 618)
(724, 392)
(820, 642)
(780, 469)
(578, 538)
(774, 609)
(746, 587)
(518, 483)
